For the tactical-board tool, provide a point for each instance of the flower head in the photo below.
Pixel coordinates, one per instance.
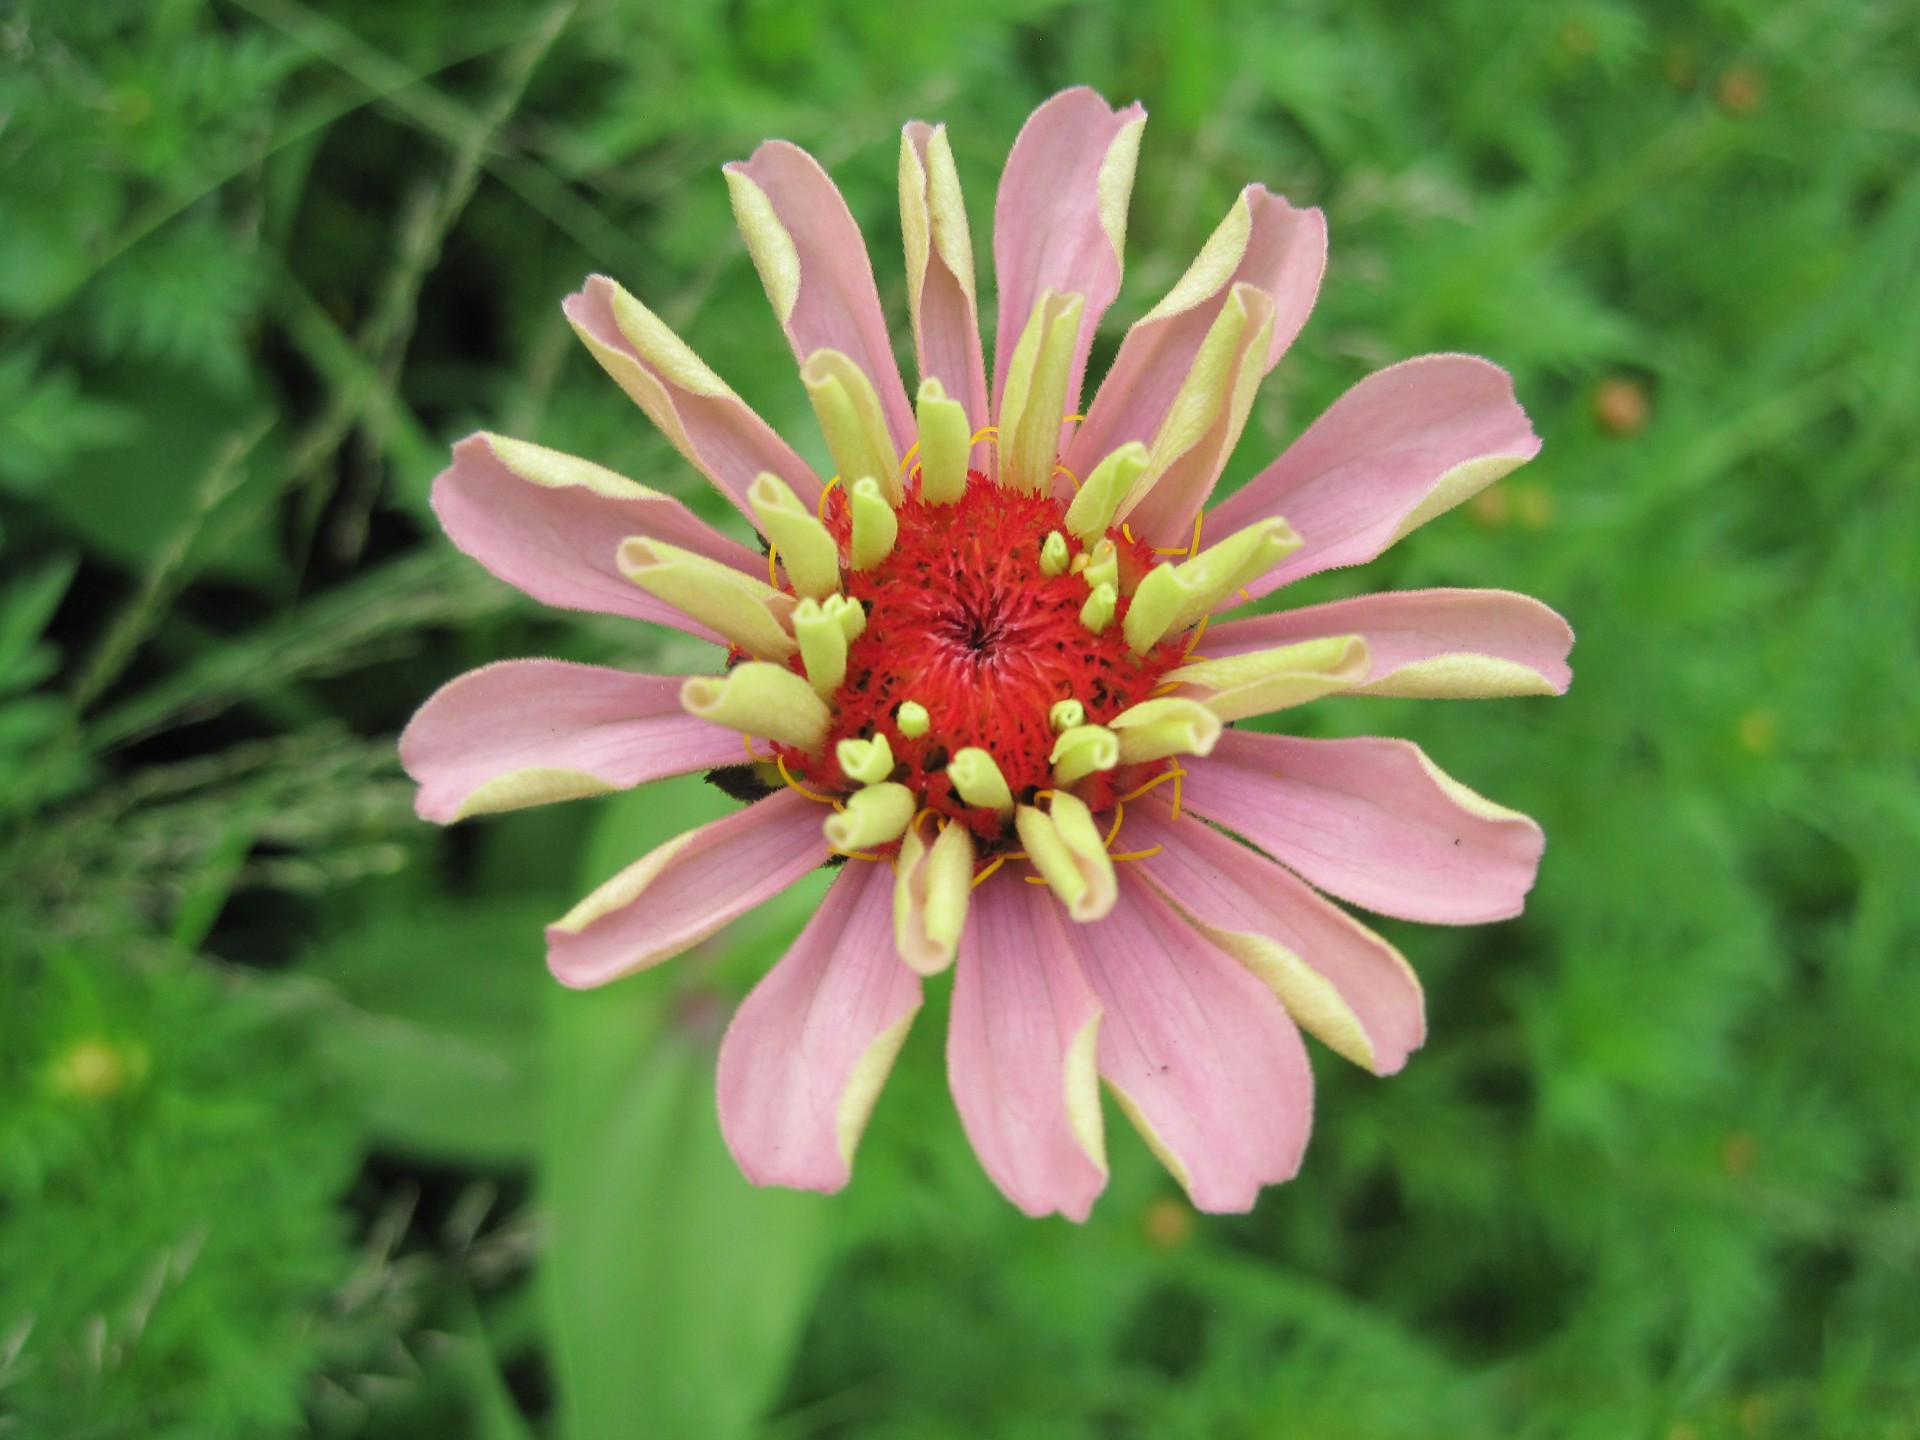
(978, 667)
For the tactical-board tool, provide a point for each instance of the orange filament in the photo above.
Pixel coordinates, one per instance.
(794, 784)
(1194, 639)
(1174, 775)
(821, 508)
(772, 551)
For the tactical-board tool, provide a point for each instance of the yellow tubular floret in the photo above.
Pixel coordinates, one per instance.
(1243, 556)
(848, 612)
(749, 612)
(931, 888)
(1082, 751)
(756, 698)
(1065, 715)
(823, 646)
(1173, 597)
(1172, 725)
(1067, 849)
(945, 442)
(865, 762)
(851, 419)
(1269, 680)
(1163, 593)
(1093, 509)
(1103, 565)
(875, 815)
(1033, 404)
(913, 719)
(808, 551)
(875, 527)
(977, 777)
(1097, 613)
(1053, 554)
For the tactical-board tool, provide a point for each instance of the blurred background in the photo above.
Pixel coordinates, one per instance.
(298, 1138)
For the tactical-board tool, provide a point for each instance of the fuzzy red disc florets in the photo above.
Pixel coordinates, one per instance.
(962, 620)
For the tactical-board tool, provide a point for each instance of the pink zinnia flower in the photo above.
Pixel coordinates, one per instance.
(978, 662)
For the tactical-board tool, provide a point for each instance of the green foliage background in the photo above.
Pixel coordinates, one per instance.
(296, 1137)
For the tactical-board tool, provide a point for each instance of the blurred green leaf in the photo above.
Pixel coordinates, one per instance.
(676, 1290)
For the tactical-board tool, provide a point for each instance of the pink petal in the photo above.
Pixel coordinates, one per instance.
(1418, 627)
(1222, 884)
(716, 430)
(1286, 252)
(1373, 821)
(482, 729)
(835, 305)
(558, 543)
(682, 892)
(1373, 466)
(810, 1047)
(1163, 514)
(947, 340)
(1020, 1052)
(1202, 1055)
(1049, 230)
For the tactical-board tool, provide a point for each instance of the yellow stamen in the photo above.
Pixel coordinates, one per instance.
(1135, 854)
